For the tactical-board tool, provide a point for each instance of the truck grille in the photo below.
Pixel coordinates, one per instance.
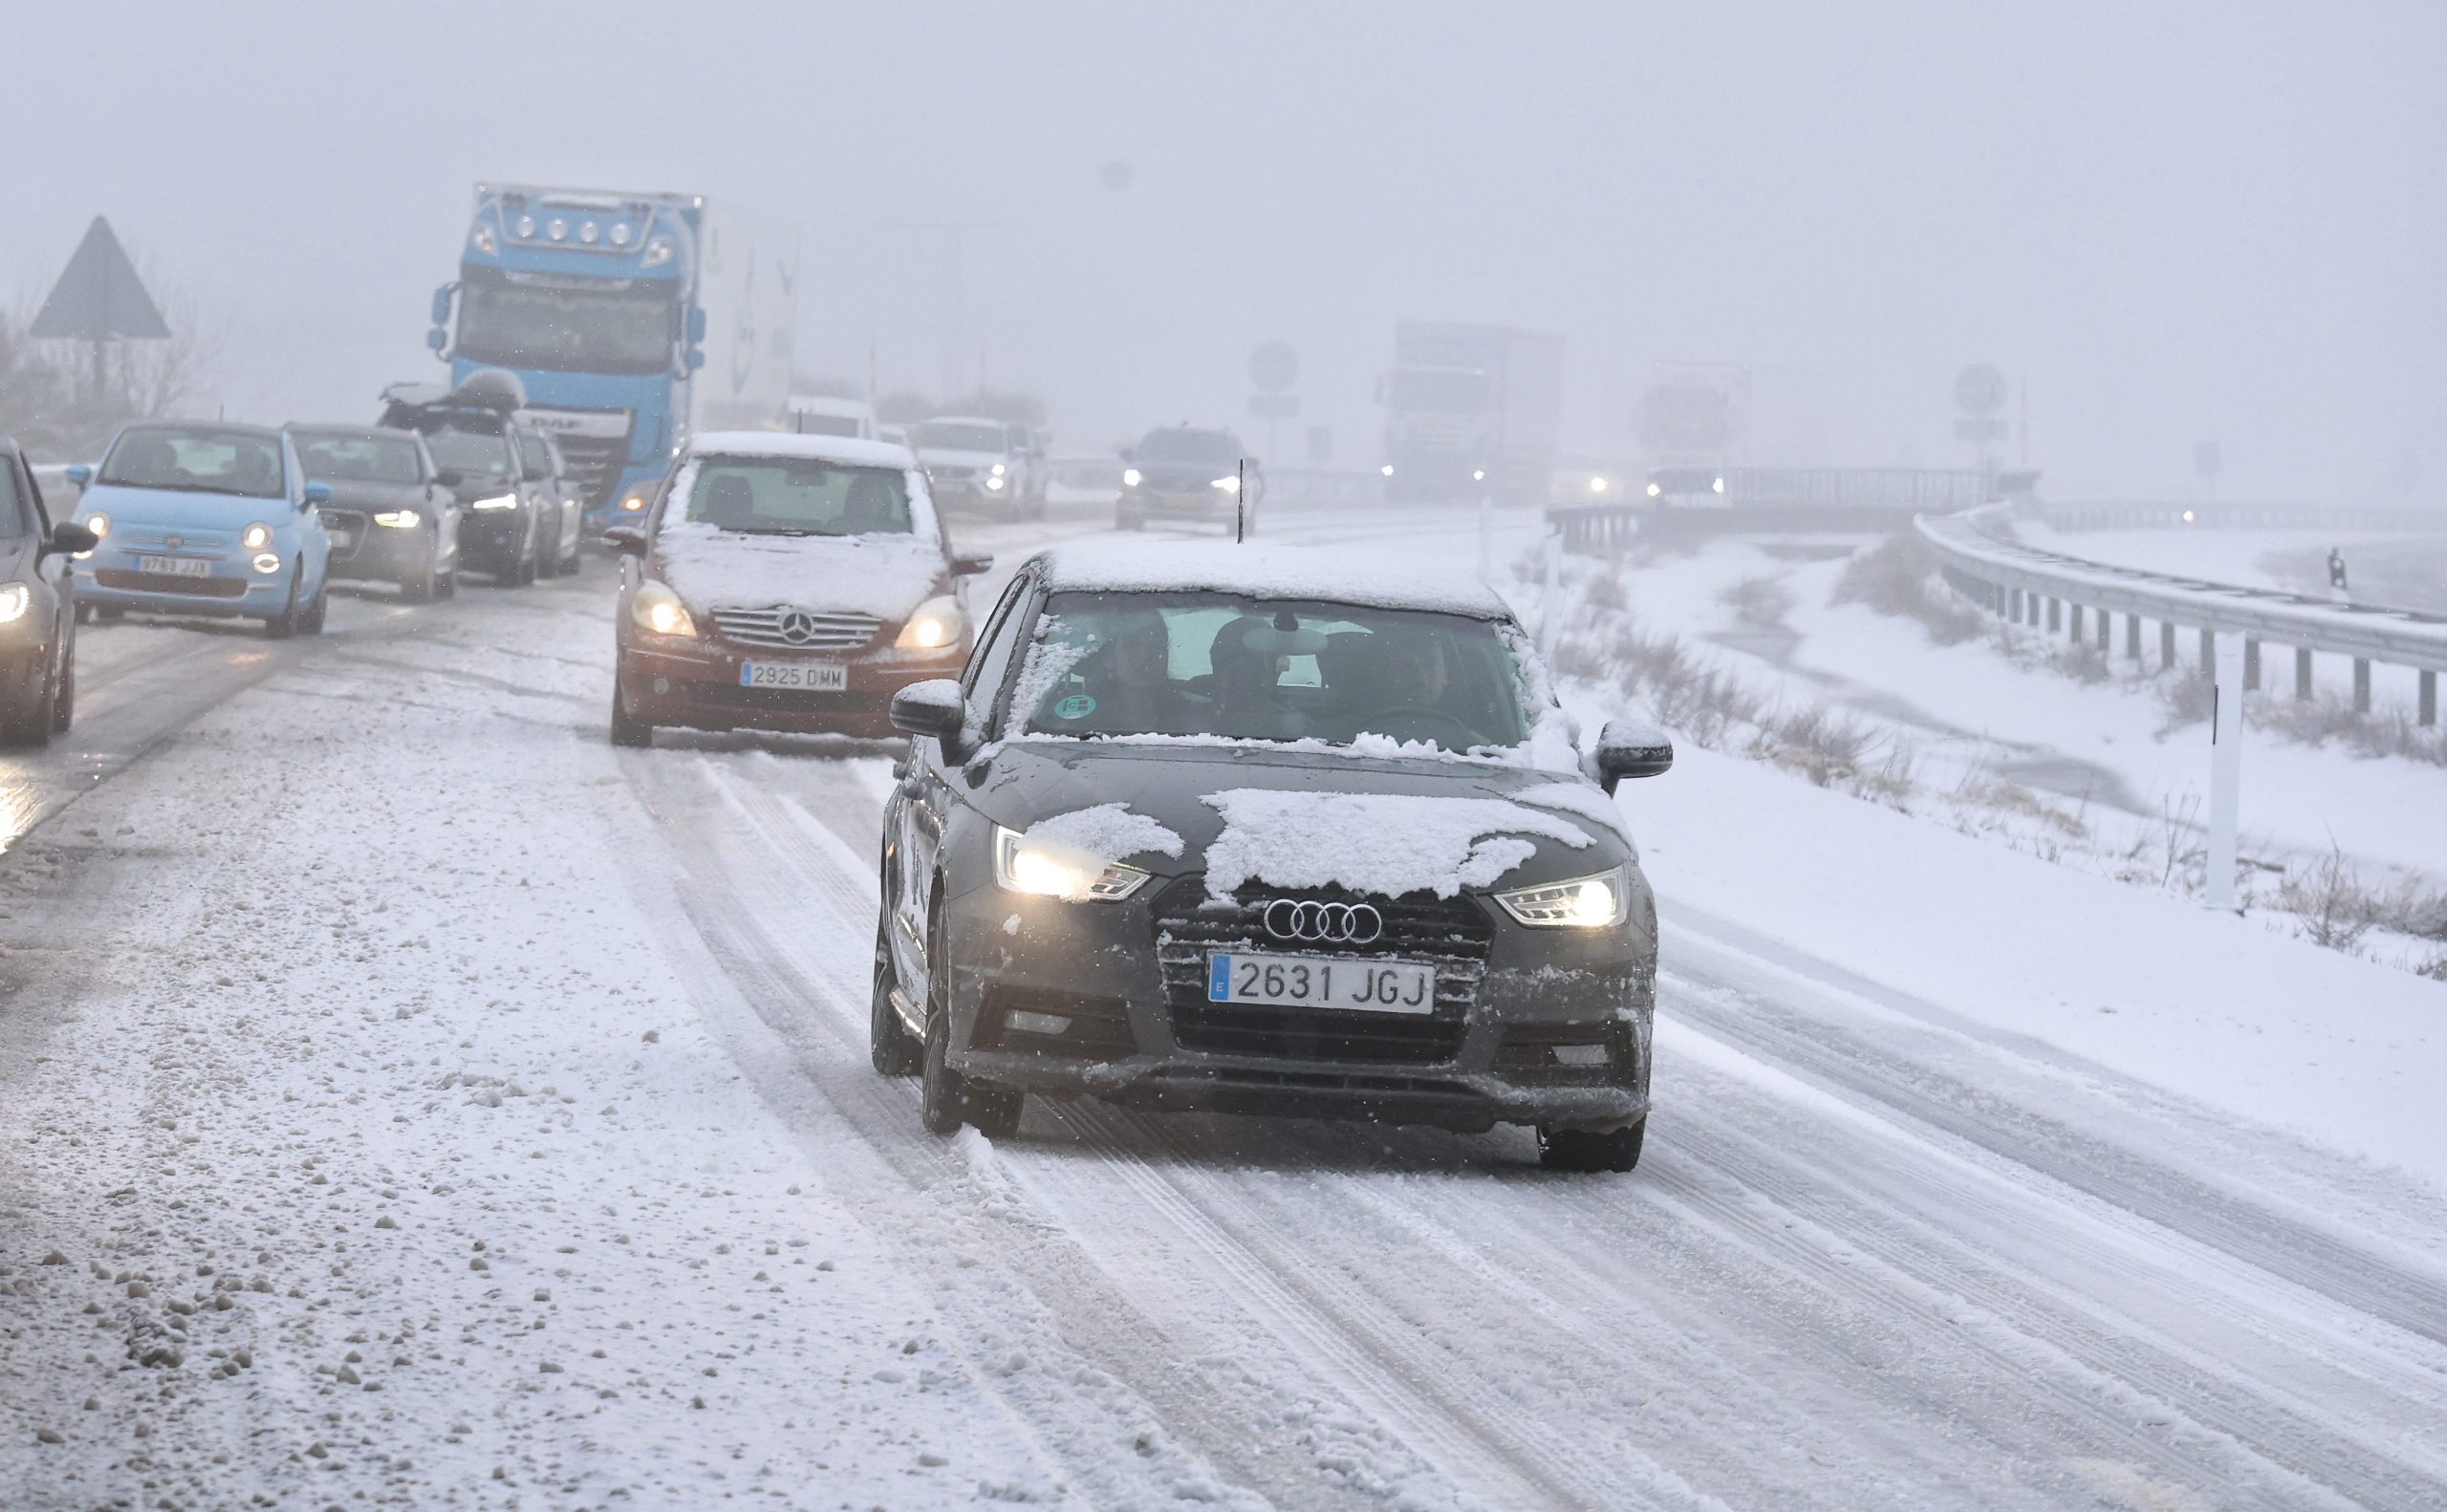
(1449, 934)
(595, 463)
(785, 629)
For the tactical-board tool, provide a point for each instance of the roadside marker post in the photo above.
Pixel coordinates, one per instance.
(2225, 768)
(1551, 599)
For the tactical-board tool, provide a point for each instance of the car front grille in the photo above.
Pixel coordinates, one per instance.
(1448, 934)
(776, 628)
(346, 529)
(163, 583)
(186, 538)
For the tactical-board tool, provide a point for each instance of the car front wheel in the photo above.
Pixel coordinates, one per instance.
(627, 729)
(889, 1045)
(947, 1099)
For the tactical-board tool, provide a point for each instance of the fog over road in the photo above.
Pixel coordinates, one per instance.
(495, 1124)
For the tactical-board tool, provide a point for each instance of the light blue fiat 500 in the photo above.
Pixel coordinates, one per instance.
(205, 519)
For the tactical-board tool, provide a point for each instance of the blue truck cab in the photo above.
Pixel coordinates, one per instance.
(593, 300)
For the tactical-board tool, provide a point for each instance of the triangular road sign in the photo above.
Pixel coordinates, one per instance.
(100, 297)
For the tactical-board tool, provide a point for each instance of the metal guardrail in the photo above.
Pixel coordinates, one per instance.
(2235, 515)
(2027, 585)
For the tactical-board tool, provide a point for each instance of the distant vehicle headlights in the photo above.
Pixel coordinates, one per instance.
(399, 519)
(994, 484)
(1585, 902)
(15, 598)
(657, 608)
(1653, 490)
(1230, 484)
(998, 469)
(1718, 486)
(1050, 870)
(255, 538)
(1597, 484)
(499, 501)
(267, 562)
(935, 623)
(1130, 477)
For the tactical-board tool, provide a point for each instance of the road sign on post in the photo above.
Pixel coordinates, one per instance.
(1979, 390)
(99, 299)
(1273, 368)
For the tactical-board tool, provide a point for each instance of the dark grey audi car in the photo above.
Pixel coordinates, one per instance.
(1251, 829)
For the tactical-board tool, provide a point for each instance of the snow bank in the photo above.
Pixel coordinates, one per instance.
(1108, 832)
(884, 575)
(1267, 572)
(1382, 843)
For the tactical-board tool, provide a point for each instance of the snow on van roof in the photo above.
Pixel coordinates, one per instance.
(1265, 572)
(852, 450)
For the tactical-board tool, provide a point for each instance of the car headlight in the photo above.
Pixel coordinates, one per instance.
(15, 598)
(998, 469)
(995, 482)
(1718, 486)
(657, 608)
(1585, 902)
(255, 538)
(99, 524)
(499, 501)
(1049, 869)
(399, 519)
(633, 502)
(1130, 477)
(1653, 490)
(935, 623)
(1231, 485)
(1597, 485)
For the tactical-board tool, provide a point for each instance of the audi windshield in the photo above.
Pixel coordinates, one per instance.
(1140, 664)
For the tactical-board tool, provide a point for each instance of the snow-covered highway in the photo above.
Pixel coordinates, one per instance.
(404, 1096)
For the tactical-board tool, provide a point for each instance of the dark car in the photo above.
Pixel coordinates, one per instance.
(393, 516)
(1189, 476)
(511, 525)
(790, 583)
(560, 493)
(1253, 830)
(38, 609)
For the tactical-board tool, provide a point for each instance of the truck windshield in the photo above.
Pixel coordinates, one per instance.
(799, 496)
(566, 330)
(356, 458)
(196, 460)
(954, 435)
(1444, 391)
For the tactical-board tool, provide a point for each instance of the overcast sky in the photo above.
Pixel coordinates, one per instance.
(2172, 223)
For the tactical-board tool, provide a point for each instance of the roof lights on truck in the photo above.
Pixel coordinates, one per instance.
(659, 251)
(483, 239)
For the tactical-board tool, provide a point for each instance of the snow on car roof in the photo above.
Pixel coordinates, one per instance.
(1263, 571)
(852, 450)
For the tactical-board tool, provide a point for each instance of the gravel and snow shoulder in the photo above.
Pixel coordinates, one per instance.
(373, 1154)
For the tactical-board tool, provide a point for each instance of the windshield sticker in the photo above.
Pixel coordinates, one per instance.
(1077, 706)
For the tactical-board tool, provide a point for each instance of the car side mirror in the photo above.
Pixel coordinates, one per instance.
(448, 477)
(934, 707)
(626, 540)
(1632, 748)
(317, 492)
(72, 538)
(695, 359)
(972, 563)
(80, 474)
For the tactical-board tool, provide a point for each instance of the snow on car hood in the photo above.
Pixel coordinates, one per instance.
(883, 576)
(1292, 818)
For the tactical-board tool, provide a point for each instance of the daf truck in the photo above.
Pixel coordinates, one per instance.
(631, 319)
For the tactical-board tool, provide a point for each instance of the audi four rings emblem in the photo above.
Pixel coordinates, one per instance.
(797, 626)
(1337, 923)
